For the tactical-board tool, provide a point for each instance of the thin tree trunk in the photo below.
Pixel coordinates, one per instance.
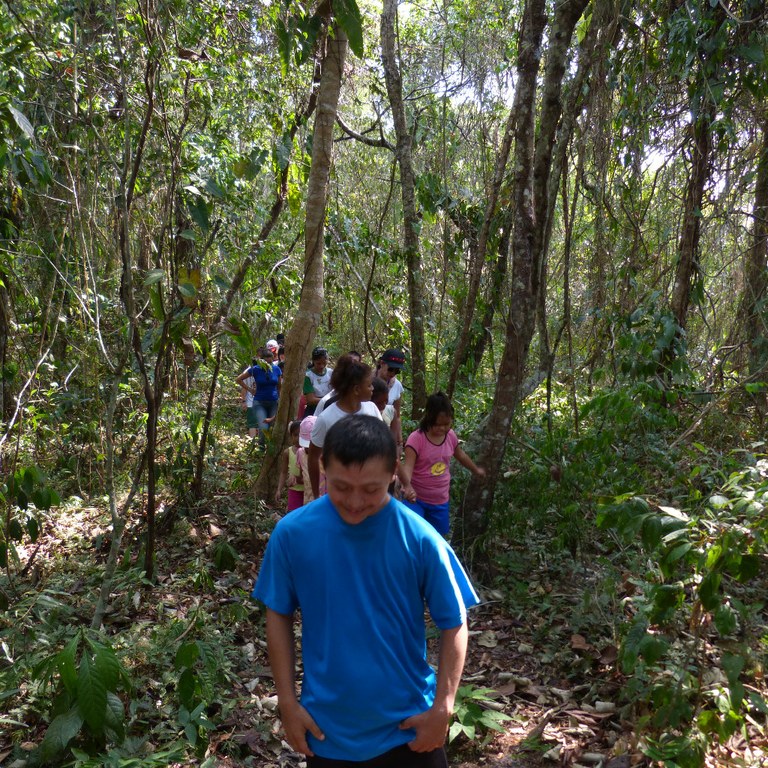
(462, 351)
(300, 338)
(756, 269)
(411, 224)
(688, 249)
(533, 163)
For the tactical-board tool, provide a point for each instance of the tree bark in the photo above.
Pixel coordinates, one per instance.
(688, 249)
(533, 163)
(756, 268)
(411, 224)
(299, 340)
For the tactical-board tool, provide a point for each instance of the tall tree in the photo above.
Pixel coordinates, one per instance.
(531, 202)
(301, 335)
(411, 224)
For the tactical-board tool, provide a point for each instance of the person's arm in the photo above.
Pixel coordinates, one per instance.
(282, 659)
(432, 726)
(396, 427)
(241, 381)
(309, 392)
(283, 479)
(461, 456)
(405, 473)
(313, 462)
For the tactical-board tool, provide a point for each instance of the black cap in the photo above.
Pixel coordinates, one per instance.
(394, 358)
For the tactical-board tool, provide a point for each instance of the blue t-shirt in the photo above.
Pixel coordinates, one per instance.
(266, 382)
(362, 590)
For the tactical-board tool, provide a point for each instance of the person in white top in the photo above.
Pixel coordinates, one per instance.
(352, 381)
(390, 364)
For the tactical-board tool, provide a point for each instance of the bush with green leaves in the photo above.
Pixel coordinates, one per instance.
(26, 496)
(87, 678)
(686, 649)
(473, 717)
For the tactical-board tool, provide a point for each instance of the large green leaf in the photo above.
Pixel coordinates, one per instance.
(348, 18)
(60, 732)
(92, 695)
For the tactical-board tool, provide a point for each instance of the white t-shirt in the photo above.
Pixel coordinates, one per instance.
(320, 384)
(395, 390)
(320, 407)
(388, 414)
(249, 382)
(332, 414)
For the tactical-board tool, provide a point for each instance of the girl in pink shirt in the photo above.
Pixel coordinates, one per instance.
(426, 474)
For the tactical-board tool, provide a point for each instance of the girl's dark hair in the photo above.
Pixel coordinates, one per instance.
(355, 439)
(347, 374)
(437, 403)
(294, 426)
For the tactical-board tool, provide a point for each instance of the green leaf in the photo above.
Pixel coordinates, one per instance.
(198, 210)
(748, 568)
(156, 302)
(154, 276)
(60, 732)
(107, 666)
(709, 591)
(725, 620)
(115, 715)
(91, 695)
(186, 687)
(187, 290)
(66, 665)
(349, 19)
(22, 122)
(187, 655)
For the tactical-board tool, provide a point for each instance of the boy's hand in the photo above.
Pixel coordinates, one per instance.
(296, 722)
(430, 726)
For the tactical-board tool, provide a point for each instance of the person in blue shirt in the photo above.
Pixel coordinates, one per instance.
(360, 566)
(267, 378)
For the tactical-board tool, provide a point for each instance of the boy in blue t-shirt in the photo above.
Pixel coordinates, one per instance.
(361, 566)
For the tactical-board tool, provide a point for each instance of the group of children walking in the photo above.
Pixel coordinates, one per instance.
(423, 471)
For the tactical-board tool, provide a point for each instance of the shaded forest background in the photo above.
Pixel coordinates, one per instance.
(558, 209)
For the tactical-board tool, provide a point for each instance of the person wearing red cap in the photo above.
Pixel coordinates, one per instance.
(390, 364)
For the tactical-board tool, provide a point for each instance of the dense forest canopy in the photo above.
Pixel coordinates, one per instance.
(557, 208)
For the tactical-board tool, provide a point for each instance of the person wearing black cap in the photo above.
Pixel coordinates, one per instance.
(317, 380)
(390, 364)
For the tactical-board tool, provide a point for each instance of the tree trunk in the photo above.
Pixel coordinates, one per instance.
(756, 268)
(533, 162)
(688, 249)
(411, 224)
(467, 346)
(299, 340)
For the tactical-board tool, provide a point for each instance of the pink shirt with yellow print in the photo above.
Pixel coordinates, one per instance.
(432, 471)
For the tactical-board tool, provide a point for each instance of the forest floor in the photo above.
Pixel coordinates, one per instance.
(543, 642)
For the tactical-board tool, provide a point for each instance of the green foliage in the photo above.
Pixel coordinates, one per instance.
(472, 716)
(703, 554)
(197, 667)
(86, 677)
(26, 496)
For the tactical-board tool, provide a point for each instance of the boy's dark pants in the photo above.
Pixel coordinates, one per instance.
(399, 757)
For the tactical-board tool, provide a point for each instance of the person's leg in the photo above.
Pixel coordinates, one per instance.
(438, 515)
(252, 421)
(262, 415)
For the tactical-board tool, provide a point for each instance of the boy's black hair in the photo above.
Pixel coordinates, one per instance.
(379, 387)
(437, 403)
(358, 438)
(294, 426)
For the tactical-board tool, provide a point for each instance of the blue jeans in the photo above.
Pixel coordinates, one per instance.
(264, 409)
